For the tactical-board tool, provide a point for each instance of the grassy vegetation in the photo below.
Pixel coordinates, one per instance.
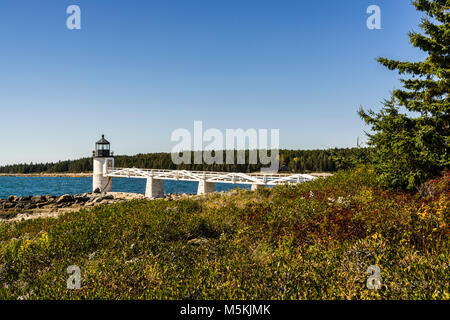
(310, 241)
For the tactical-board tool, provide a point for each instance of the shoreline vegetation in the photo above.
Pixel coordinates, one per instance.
(313, 240)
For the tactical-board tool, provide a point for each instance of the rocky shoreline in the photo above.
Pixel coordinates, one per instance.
(31, 207)
(23, 208)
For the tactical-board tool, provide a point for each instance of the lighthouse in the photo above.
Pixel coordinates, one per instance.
(103, 161)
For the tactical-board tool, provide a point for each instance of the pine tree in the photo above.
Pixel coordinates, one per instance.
(412, 147)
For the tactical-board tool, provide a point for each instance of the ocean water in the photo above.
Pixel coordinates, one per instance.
(34, 186)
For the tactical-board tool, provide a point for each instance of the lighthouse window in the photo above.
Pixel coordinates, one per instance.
(103, 147)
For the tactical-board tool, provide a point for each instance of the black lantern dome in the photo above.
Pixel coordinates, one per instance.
(102, 148)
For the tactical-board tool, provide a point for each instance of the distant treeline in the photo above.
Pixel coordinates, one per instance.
(290, 160)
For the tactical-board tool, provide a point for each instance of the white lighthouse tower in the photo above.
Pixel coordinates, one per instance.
(103, 161)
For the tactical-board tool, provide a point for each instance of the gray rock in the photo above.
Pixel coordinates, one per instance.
(50, 198)
(80, 200)
(8, 205)
(97, 200)
(64, 199)
(12, 198)
(37, 199)
(43, 204)
(29, 206)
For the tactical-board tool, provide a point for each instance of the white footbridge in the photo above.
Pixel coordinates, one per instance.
(206, 179)
(104, 171)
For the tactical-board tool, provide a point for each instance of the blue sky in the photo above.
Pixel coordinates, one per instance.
(137, 70)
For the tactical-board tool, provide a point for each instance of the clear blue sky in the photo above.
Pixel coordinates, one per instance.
(139, 69)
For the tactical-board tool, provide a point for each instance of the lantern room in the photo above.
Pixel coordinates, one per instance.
(102, 148)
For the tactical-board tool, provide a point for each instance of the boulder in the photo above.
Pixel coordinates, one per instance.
(81, 200)
(19, 205)
(43, 204)
(50, 198)
(98, 200)
(8, 205)
(29, 206)
(37, 199)
(64, 199)
(12, 198)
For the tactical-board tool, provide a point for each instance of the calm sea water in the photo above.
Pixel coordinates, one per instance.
(34, 186)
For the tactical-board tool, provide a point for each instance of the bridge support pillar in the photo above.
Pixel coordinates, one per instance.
(154, 188)
(256, 186)
(206, 187)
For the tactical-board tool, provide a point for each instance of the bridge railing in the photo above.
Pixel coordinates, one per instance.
(211, 176)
